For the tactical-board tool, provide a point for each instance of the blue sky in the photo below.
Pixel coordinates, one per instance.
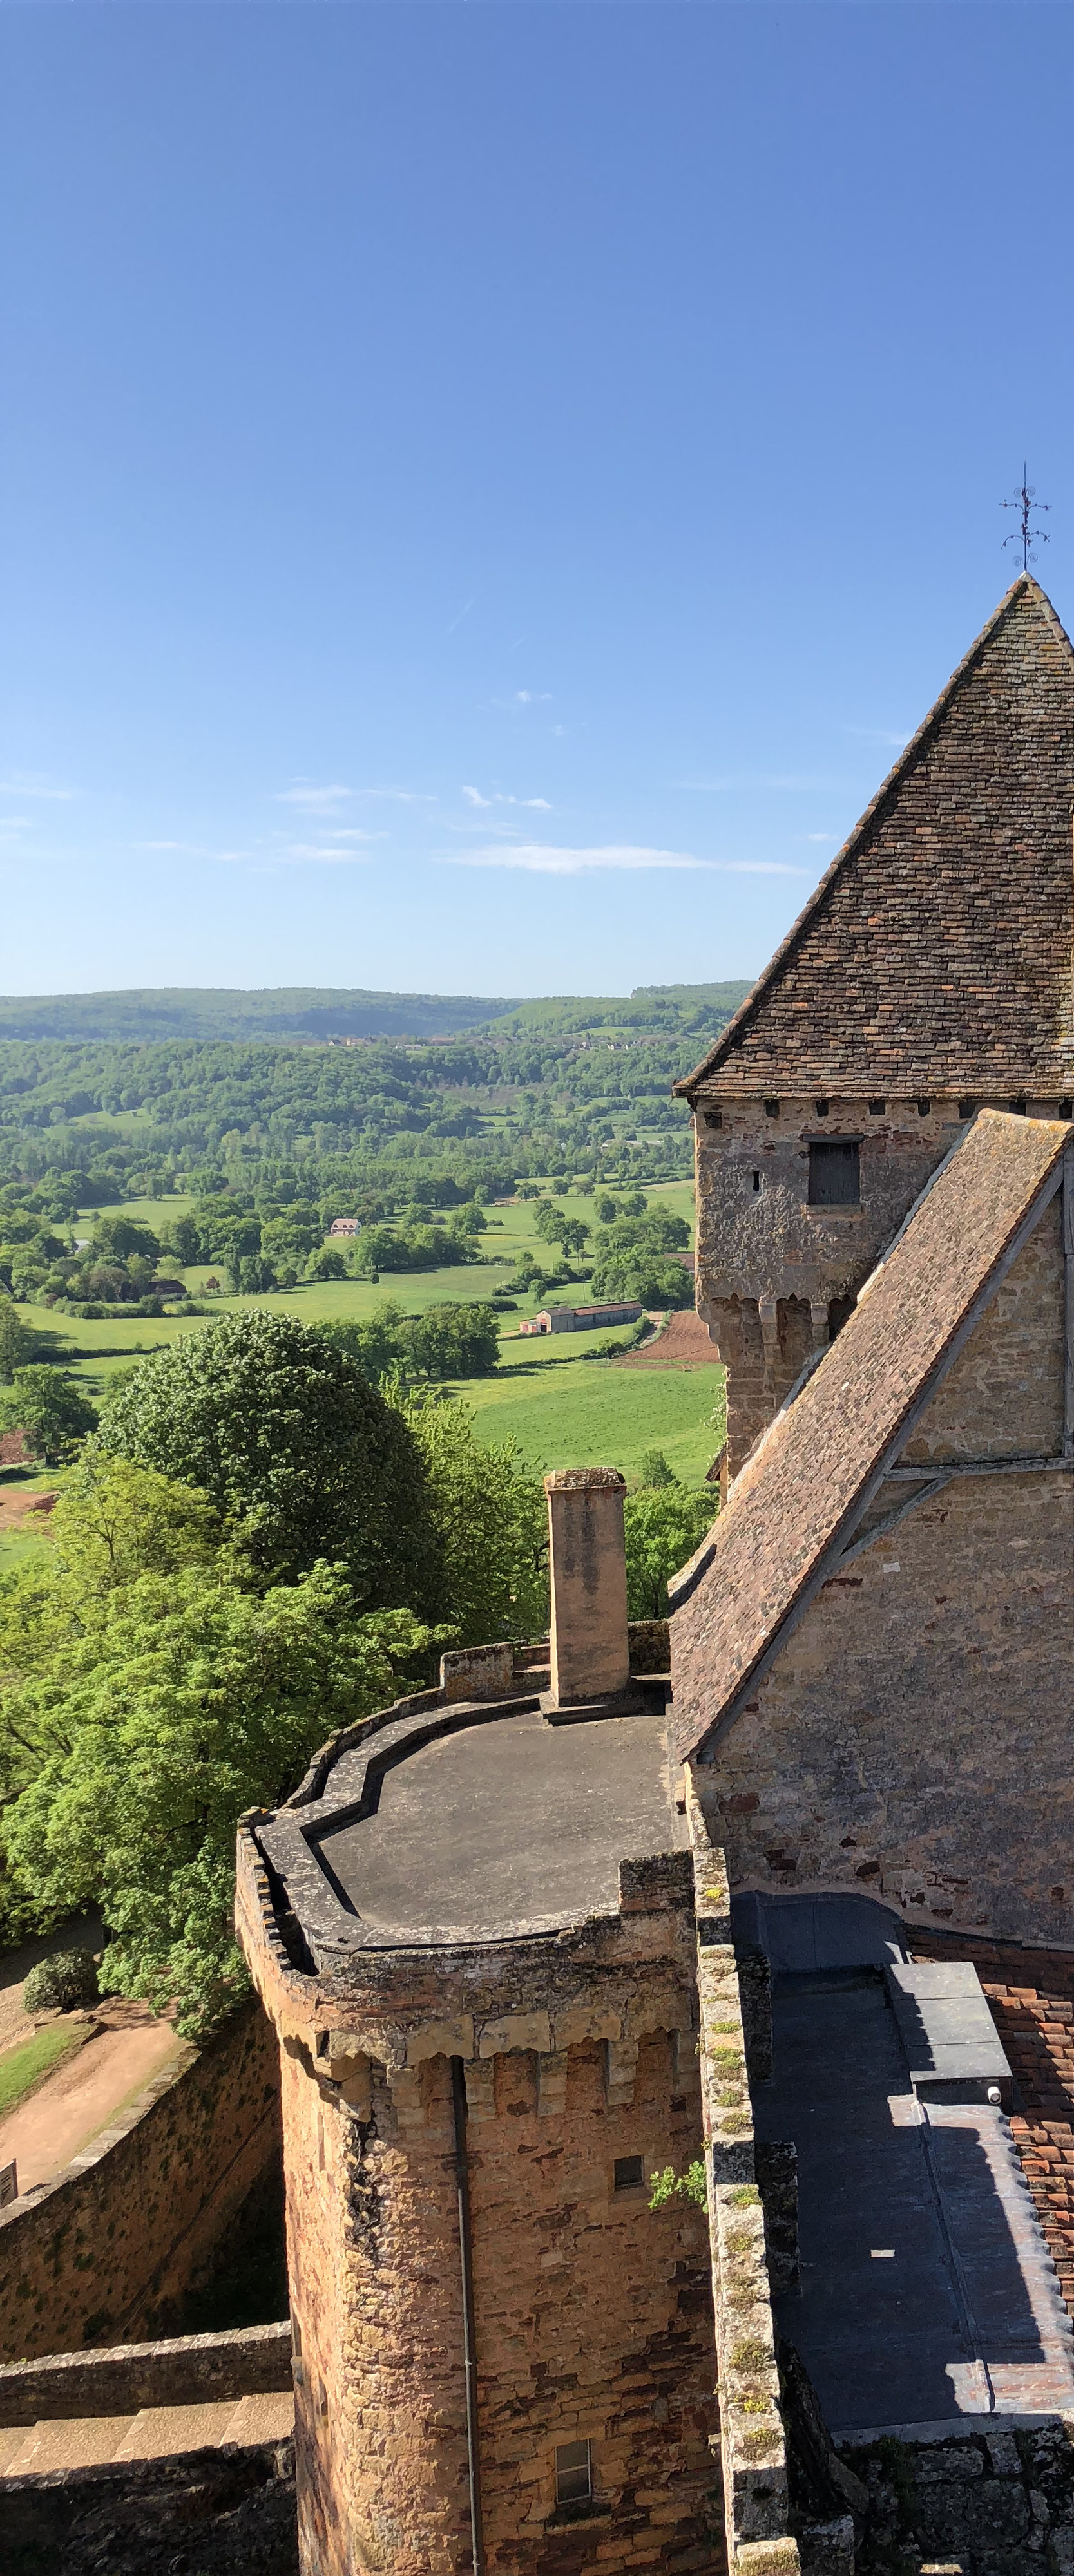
(489, 488)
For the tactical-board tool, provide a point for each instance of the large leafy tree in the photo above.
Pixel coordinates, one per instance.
(293, 1447)
(151, 1712)
(634, 1257)
(47, 1405)
(16, 1343)
(491, 1524)
(119, 1238)
(650, 1277)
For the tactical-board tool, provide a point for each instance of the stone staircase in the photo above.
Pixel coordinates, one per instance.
(61, 2442)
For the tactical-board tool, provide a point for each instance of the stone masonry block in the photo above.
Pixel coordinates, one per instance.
(515, 2030)
(552, 2084)
(441, 2039)
(586, 2021)
(405, 2087)
(481, 2089)
(622, 2072)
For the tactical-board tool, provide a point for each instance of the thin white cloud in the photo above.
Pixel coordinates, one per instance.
(313, 799)
(536, 804)
(820, 836)
(29, 782)
(327, 800)
(336, 853)
(352, 833)
(16, 823)
(543, 858)
(457, 621)
(397, 795)
(335, 848)
(879, 733)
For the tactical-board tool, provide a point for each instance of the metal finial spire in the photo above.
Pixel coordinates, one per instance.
(1023, 535)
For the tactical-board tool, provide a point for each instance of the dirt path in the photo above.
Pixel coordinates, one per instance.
(53, 2124)
(16, 1505)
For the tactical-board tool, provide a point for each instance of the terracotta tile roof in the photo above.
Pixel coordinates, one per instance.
(936, 952)
(793, 1497)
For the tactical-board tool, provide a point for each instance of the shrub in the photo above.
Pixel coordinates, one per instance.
(59, 1983)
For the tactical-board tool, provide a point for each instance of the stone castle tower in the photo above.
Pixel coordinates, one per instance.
(474, 1931)
(930, 975)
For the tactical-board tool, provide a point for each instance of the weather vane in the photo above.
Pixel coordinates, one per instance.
(1023, 535)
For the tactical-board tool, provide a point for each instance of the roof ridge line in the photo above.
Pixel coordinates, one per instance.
(1024, 586)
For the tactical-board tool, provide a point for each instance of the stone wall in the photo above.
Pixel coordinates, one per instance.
(106, 2250)
(227, 2512)
(770, 1268)
(593, 2317)
(188, 2370)
(773, 1273)
(912, 1740)
(988, 2504)
(764, 1356)
(1003, 1395)
(753, 2456)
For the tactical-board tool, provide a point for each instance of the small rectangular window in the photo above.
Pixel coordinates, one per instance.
(574, 2473)
(821, 1107)
(713, 1117)
(756, 1180)
(967, 1108)
(629, 2173)
(877, 1108)
(834, 1176)
(923, 1108)
(771, 1109)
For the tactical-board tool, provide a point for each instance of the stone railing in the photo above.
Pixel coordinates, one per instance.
(752, 2446)
(247, 2361)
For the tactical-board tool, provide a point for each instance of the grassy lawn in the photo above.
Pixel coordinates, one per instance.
(590, 1413)
(23, 2067)
(154, 1212)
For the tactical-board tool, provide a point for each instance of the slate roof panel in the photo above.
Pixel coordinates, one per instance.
(935, 955)
(792, 1497)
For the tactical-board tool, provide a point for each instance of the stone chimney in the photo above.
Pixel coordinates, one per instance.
(587, 1565)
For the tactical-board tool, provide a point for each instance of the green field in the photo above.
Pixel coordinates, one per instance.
(594, 1413)
(94, 1349)
(564, 1406)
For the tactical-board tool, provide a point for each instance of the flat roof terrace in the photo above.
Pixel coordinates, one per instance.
(477, 1824)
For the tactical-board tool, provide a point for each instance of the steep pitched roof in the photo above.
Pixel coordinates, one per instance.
(936, 952)
(797, 1497)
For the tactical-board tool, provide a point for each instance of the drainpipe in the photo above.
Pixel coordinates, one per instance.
(466, 2267)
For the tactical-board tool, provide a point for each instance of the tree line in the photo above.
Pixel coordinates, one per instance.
(543, 1096)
